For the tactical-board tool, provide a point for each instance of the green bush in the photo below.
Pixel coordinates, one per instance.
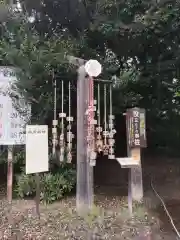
(53, 185)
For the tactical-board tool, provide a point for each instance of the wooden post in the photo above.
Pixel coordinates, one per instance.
(82, 163)
(136, 139)
(84, 190)
(136, 176)
(37, 195)
(9, 174)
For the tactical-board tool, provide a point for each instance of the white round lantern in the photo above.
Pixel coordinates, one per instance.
(93, 68)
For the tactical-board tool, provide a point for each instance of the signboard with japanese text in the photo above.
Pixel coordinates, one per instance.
(12, 120)
(37, 157)
(136, 130)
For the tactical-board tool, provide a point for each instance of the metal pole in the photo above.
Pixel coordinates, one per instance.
(82, 106)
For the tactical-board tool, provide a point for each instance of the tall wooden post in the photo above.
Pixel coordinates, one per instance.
(136, 139)
(84, 190)
(82, 202)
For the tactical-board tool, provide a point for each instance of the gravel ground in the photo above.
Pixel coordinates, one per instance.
(110, 220)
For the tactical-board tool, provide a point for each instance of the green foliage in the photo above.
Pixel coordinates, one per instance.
(53, 185)
(36, 60)
(145, 31)
(25, 185)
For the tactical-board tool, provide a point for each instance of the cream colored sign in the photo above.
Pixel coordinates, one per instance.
(37, 159)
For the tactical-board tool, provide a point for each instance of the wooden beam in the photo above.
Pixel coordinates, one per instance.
(75, 61)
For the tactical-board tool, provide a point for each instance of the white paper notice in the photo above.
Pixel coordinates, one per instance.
(37, 159)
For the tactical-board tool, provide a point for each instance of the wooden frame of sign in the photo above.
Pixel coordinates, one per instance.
(136, 139)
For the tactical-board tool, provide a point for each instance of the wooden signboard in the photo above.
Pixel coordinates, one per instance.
(136, 129)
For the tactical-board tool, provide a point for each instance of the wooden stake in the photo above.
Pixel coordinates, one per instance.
(9, 182)
(9, 174)
(37, 200)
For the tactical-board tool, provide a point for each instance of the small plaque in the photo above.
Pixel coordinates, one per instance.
(93, 122)
(106, 149)
(92, 163)
(98, 137)
(90, 138)
(95, 101)
(111, 135)
(94, 108)
(93, 155)
(114, 131)
(99, 149)
(99, 129)
(61, 137)
(69, 119)
(69, 146)
(62, 151)
(54, 130)
(99, 143)
(86, 112)
(69, 127)
(69, 136)
(61, 158)
(105, 133)
(61, 143)
(111, 125)
(105, 152)
(55, 122)
(111, 150)
(62, 115)
(112, 117)
(69, 157)
(111, 157)
(111, 141)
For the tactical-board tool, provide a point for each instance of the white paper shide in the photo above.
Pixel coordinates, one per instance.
(37, 159)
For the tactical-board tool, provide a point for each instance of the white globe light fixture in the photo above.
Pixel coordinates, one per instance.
(93, 68)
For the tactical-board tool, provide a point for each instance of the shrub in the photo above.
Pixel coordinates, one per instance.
(54, 185)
